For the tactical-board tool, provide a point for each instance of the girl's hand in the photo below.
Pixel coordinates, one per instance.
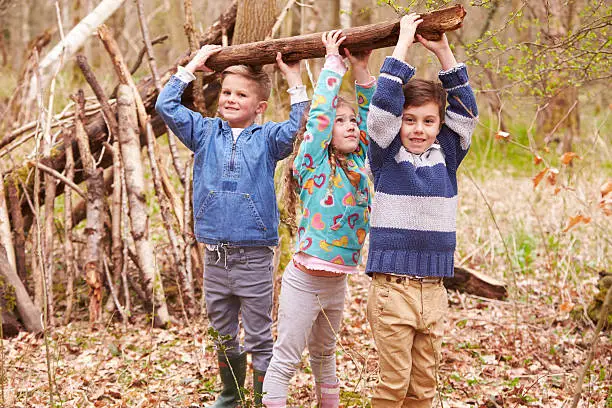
(359, 62)
(358, 59)
(198, 63)
(332, 41)
(291, 71)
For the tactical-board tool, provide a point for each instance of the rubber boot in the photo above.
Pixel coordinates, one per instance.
(328, 395)
(231, 393)
(258, 379)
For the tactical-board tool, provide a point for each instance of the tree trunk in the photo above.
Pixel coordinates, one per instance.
(68, 249)
(134, 174)
(18, 226)
(73, 41)
(346, 11)
(5, 228)
(29, 313)
(254, 20)
(357, 39)
(94, 229)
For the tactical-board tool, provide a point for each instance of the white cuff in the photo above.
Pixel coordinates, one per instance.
(184, 75)
(298, 94)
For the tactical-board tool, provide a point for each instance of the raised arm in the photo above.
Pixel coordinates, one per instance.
(281, 135)
(313, 150)
(365, 85)
(461, 113)
(189, 126)
(385, 118)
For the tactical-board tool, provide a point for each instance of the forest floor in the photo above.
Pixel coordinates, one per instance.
(496, 354)
(525, 351)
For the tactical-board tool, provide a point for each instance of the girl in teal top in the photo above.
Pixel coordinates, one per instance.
(329, 175)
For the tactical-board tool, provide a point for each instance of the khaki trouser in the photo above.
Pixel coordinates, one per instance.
(407, 321)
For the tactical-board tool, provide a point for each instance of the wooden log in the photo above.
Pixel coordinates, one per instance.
(362, 38)
(475, 283)
(29, 313)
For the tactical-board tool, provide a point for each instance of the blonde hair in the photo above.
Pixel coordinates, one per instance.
(256, 74)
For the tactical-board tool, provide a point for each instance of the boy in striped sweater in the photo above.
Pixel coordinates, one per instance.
(417, 145)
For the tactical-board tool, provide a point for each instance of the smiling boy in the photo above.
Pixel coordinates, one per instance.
(416, 148)
(234, 203)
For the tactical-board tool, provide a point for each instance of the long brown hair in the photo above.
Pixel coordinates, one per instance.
(290, 185)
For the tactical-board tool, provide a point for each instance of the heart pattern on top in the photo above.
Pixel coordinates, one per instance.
(352, 220)
(317, 222)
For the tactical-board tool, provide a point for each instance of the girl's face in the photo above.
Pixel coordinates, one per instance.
(345, 133)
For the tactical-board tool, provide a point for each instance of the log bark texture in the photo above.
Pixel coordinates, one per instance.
(475, 283)
(29, 313)
(357, 39)
(94, 230)
(134, 179)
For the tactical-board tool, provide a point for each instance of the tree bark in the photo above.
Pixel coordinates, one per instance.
(94, 230)
(159, 173)
(160, 179)
(469, 281)
(254, 21)
(74, 40)
(134, 174)
(357, 39)
(5, 227)
(18, 226)
(68, 249)
(176, 162)
(29, 313)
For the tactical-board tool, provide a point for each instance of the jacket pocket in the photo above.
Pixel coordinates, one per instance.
(233, 211)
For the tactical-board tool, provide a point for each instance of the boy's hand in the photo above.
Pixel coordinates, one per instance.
(441, 49)
(408, 26)
(359, 62)
(198, 63)
(292, 71)
(332, 41)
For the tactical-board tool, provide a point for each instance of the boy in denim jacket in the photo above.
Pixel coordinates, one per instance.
(417, 146)
(234, 201)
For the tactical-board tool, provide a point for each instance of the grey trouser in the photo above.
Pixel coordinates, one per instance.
(310, 313)
(238, 280)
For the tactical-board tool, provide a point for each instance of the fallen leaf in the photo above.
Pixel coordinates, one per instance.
(501, 135)
(606, 188)
(606, 206)
(568, 157)
(575, 220)
(539, 177)
(566, 306)
(552, 176)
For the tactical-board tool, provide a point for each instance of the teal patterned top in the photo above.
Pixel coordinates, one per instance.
(335, 216)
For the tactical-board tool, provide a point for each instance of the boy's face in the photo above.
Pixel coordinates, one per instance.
(239, 102)
(345, 133)
(420, 127)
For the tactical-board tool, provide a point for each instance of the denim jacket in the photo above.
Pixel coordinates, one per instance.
(234, 200)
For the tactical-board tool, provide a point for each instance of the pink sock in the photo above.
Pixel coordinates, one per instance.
(274, 402)
(330, 395)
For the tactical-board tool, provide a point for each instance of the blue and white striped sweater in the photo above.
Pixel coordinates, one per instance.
(415, 204)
